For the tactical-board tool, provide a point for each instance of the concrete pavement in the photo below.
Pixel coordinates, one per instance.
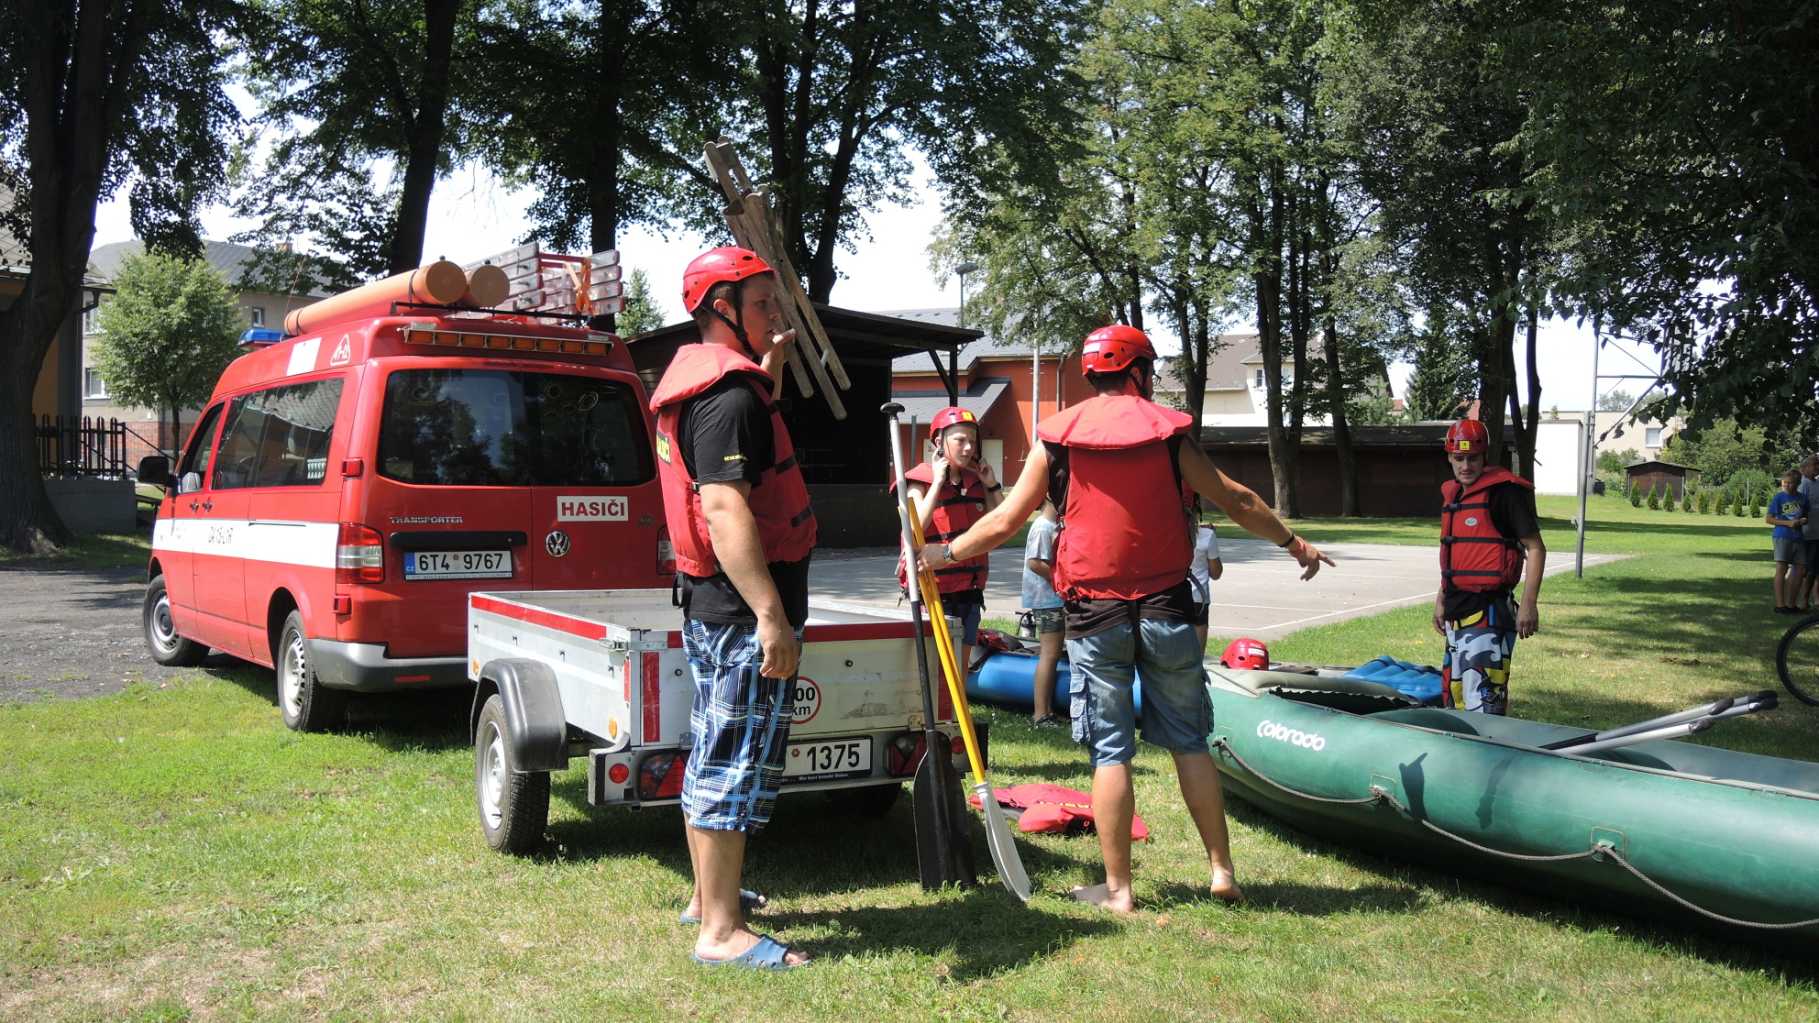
(1260, 595)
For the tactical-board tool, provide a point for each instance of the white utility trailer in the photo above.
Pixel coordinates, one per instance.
(601, 674)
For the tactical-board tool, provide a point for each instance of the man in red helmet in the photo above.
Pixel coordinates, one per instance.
(1490, 538)
(950, 492)
(740, 522)
(1113, 465)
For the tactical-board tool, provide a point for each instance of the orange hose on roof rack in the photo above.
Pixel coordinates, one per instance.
(439, 283)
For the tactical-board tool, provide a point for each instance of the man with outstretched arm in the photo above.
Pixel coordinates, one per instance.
(739, 518)
(1121, 567)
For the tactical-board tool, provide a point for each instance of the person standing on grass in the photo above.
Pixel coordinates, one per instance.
(1787, 512)
(950, 492)
(1808, 587)
(1113, 464)
(1044, 607)
(739, 518)
(1490, 537)
(1205, 568)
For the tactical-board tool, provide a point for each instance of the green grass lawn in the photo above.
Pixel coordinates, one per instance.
(172, 852)
(92, 550)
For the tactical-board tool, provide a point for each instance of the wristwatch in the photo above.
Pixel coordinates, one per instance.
(947, 554)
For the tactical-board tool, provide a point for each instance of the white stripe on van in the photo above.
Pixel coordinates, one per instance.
(281, 541)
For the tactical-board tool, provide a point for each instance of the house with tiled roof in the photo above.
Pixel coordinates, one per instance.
(260, 307)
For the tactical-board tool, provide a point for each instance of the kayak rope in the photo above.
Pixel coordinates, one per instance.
(1597, 851)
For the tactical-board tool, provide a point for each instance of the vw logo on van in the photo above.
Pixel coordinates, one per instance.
(556, 543)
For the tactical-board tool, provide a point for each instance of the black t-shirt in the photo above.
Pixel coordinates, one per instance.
(724, 435)
(1513, 513)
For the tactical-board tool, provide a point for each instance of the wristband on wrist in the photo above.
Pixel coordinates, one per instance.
(1290, 541)
(994, 488)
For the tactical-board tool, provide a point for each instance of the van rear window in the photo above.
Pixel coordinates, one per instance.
(479, 428)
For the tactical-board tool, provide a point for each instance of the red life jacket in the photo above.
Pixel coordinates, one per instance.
(779, 500)
(1473, 555)
(1117, 540)
(956, 509)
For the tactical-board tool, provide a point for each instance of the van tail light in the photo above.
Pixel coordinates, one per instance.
(666, 553)
(359, 555)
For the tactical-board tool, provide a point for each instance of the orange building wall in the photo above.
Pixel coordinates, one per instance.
(1009, 419)
(44, 392)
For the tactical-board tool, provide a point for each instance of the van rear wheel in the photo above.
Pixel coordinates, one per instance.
(168, 648)
(305, 703)
(514, 805)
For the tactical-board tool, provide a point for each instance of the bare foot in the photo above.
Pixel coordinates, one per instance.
(1102, 896)
(1225, 888)
(739, 943)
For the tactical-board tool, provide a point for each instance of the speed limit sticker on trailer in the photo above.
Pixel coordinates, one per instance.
(806, 701)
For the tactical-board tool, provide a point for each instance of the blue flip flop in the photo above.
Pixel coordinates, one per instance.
(749, 901)
(767, 954)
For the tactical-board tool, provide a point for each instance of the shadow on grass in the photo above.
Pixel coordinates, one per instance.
(1766, 951)
(1304, 899)
(85, 554)
(998, 935)
(792, 854)
(429, 720)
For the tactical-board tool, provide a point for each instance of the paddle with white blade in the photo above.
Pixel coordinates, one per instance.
(997, 830)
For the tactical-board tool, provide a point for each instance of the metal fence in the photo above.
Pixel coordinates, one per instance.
(82, 446)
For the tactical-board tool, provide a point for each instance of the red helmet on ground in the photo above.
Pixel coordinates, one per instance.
(1111, 349)
(1246, 653)
(1467, 435)
(726, 263)
(953, 415)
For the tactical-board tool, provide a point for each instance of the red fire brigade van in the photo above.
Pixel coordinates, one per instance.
(345, 489)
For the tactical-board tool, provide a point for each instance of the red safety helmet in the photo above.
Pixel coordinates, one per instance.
(726, 263)
(1112, 349)
(1246, 653)
(950, 416)
(1467, 435)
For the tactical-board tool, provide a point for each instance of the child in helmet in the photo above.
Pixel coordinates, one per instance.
(1490, 541)
(950, 492)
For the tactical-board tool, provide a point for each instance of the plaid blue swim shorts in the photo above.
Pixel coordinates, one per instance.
(740, 724)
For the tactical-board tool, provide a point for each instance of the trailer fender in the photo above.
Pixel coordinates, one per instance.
(538, 732)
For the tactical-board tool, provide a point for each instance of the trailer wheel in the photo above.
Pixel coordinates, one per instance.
(514, 805)
(871, 801)
(303, 701)
(168, 648)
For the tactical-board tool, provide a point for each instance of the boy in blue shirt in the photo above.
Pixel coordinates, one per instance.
(1044, 606)
(1787, 512)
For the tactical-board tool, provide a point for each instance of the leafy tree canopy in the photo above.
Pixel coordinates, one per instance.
(167, 332)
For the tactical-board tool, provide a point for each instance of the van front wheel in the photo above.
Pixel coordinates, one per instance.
(305, 703)
(168, 648)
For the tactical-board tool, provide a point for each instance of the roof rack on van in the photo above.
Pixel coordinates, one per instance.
(543, 283)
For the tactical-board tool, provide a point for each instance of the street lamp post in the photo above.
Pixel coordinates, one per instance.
(963, 269)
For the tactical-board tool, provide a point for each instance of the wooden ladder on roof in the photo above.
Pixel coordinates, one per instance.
(754, 226)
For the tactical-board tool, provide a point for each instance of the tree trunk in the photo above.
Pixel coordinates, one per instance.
(1495, 376)
(28, 523)
(1531, 429)
(1342, 430)
(424, 146)
(1266, 246)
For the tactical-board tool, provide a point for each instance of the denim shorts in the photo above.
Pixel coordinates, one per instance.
(1177, 712)
(968, 612)
(1790, 550)
(740, 724)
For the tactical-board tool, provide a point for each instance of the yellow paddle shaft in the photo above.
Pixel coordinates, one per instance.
(944, 646)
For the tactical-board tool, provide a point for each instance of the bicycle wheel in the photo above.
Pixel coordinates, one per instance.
(1797, 660)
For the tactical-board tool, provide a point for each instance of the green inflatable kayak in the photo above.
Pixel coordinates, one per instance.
(1643, 823)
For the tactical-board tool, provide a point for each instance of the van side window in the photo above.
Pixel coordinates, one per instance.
(201, 445)
(279, 437)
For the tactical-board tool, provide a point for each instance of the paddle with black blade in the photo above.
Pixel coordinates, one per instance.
(944, 855)
(997, 832)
